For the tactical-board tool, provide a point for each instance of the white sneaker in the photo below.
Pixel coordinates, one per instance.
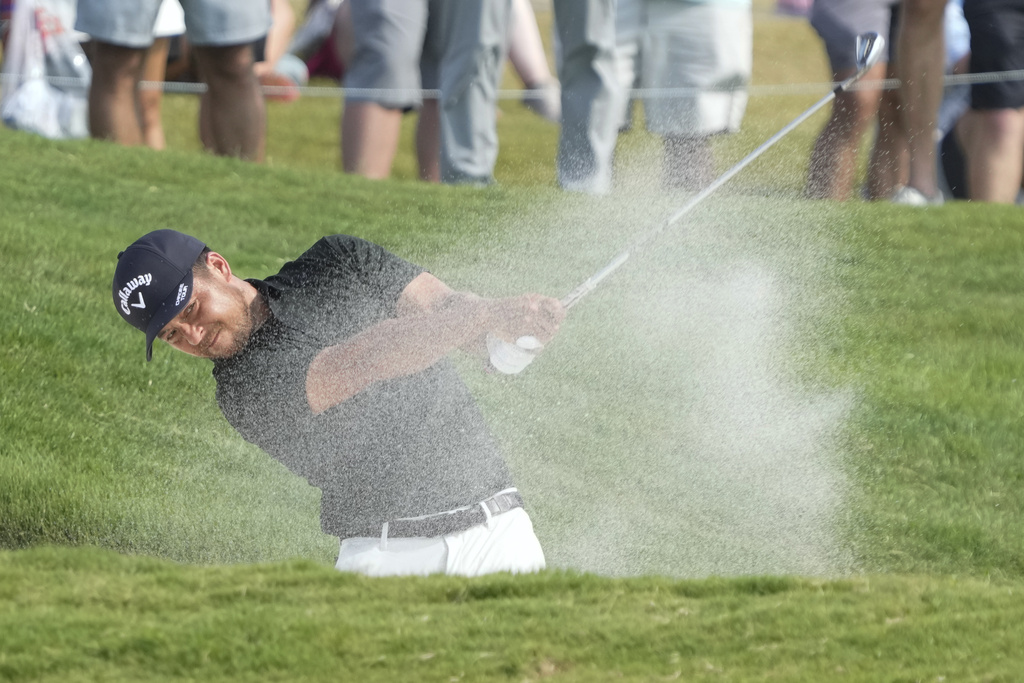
(595, 186)
(911, 196)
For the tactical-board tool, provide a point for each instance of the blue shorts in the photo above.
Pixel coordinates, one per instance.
(129, 23)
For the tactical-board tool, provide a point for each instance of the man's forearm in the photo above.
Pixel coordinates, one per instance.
(394, 348)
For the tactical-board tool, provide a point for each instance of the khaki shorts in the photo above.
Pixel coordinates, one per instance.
(129, 23)
(701, 53)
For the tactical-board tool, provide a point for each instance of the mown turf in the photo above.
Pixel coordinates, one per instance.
(935, 318)
(93, 615)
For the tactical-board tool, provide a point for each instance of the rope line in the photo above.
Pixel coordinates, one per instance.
(174, 87)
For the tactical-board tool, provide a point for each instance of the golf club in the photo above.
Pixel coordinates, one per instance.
(869, 50)
(511, 358)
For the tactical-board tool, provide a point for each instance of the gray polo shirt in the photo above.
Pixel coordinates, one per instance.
(404, 447)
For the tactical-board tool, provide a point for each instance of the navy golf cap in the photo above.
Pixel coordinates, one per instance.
(153, 280)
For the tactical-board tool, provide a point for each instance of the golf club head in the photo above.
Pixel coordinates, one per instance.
(870, 46)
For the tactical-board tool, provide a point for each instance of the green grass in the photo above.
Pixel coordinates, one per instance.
(786, 436)
(935, 322)
(92, 615)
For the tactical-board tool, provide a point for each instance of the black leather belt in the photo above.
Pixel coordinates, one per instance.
(445, 523)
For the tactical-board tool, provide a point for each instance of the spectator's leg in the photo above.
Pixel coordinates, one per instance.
(113, 112)
(991, 132)
(921, 67)
(237, 119)
(591, 95)
(630, 27)
(470, 37)
(530, 61)
(369, 134)
(525, 47)
(382, 81)
(344, 33)
(887, 167)
(428, 140)
(151, 97)
(993, 142)
(205, 123)
(689, 162)
(833, 164)
(280, 34)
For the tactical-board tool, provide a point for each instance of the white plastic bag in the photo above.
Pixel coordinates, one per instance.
(46, 75)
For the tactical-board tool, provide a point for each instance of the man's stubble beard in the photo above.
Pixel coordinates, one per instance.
(253, 317)
(249, 320)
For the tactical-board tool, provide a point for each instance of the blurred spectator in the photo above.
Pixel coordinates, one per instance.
(592, 97)
(956, 100)
(277, 69)
(834, 159)
(456, 46)
(526, 53)
(991, 132)
(324, 39)
(920, 65)
(170, 23)
(702, 47)
(221, 33)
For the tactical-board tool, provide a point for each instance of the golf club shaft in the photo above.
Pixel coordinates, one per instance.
(573, 297)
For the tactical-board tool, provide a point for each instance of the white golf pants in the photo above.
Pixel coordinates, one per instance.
(505, 543)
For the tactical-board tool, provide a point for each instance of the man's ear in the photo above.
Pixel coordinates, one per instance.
(218, 266)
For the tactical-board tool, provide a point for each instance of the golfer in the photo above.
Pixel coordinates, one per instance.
(337, 367)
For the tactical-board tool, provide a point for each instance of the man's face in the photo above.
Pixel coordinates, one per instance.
(216, 322)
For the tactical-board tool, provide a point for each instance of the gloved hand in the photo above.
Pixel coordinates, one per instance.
(511, 359)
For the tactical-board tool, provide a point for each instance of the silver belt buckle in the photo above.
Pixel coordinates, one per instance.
(492, 506)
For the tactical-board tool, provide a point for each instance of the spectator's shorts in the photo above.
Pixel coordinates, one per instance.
(997, 44)
(839, 22)
(129, 23)
(705, 53)
(389, 40)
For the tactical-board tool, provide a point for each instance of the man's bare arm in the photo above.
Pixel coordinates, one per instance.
(433, 321)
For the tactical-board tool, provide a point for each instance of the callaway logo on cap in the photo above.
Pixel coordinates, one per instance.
(153, 280)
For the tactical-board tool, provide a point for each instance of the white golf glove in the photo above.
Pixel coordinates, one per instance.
(511, 359)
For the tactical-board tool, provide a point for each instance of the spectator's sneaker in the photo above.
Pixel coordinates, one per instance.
(593, 186)
(545, 100)
(911, 196)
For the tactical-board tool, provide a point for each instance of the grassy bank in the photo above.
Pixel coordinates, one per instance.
(778, 387)
(93, 615)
